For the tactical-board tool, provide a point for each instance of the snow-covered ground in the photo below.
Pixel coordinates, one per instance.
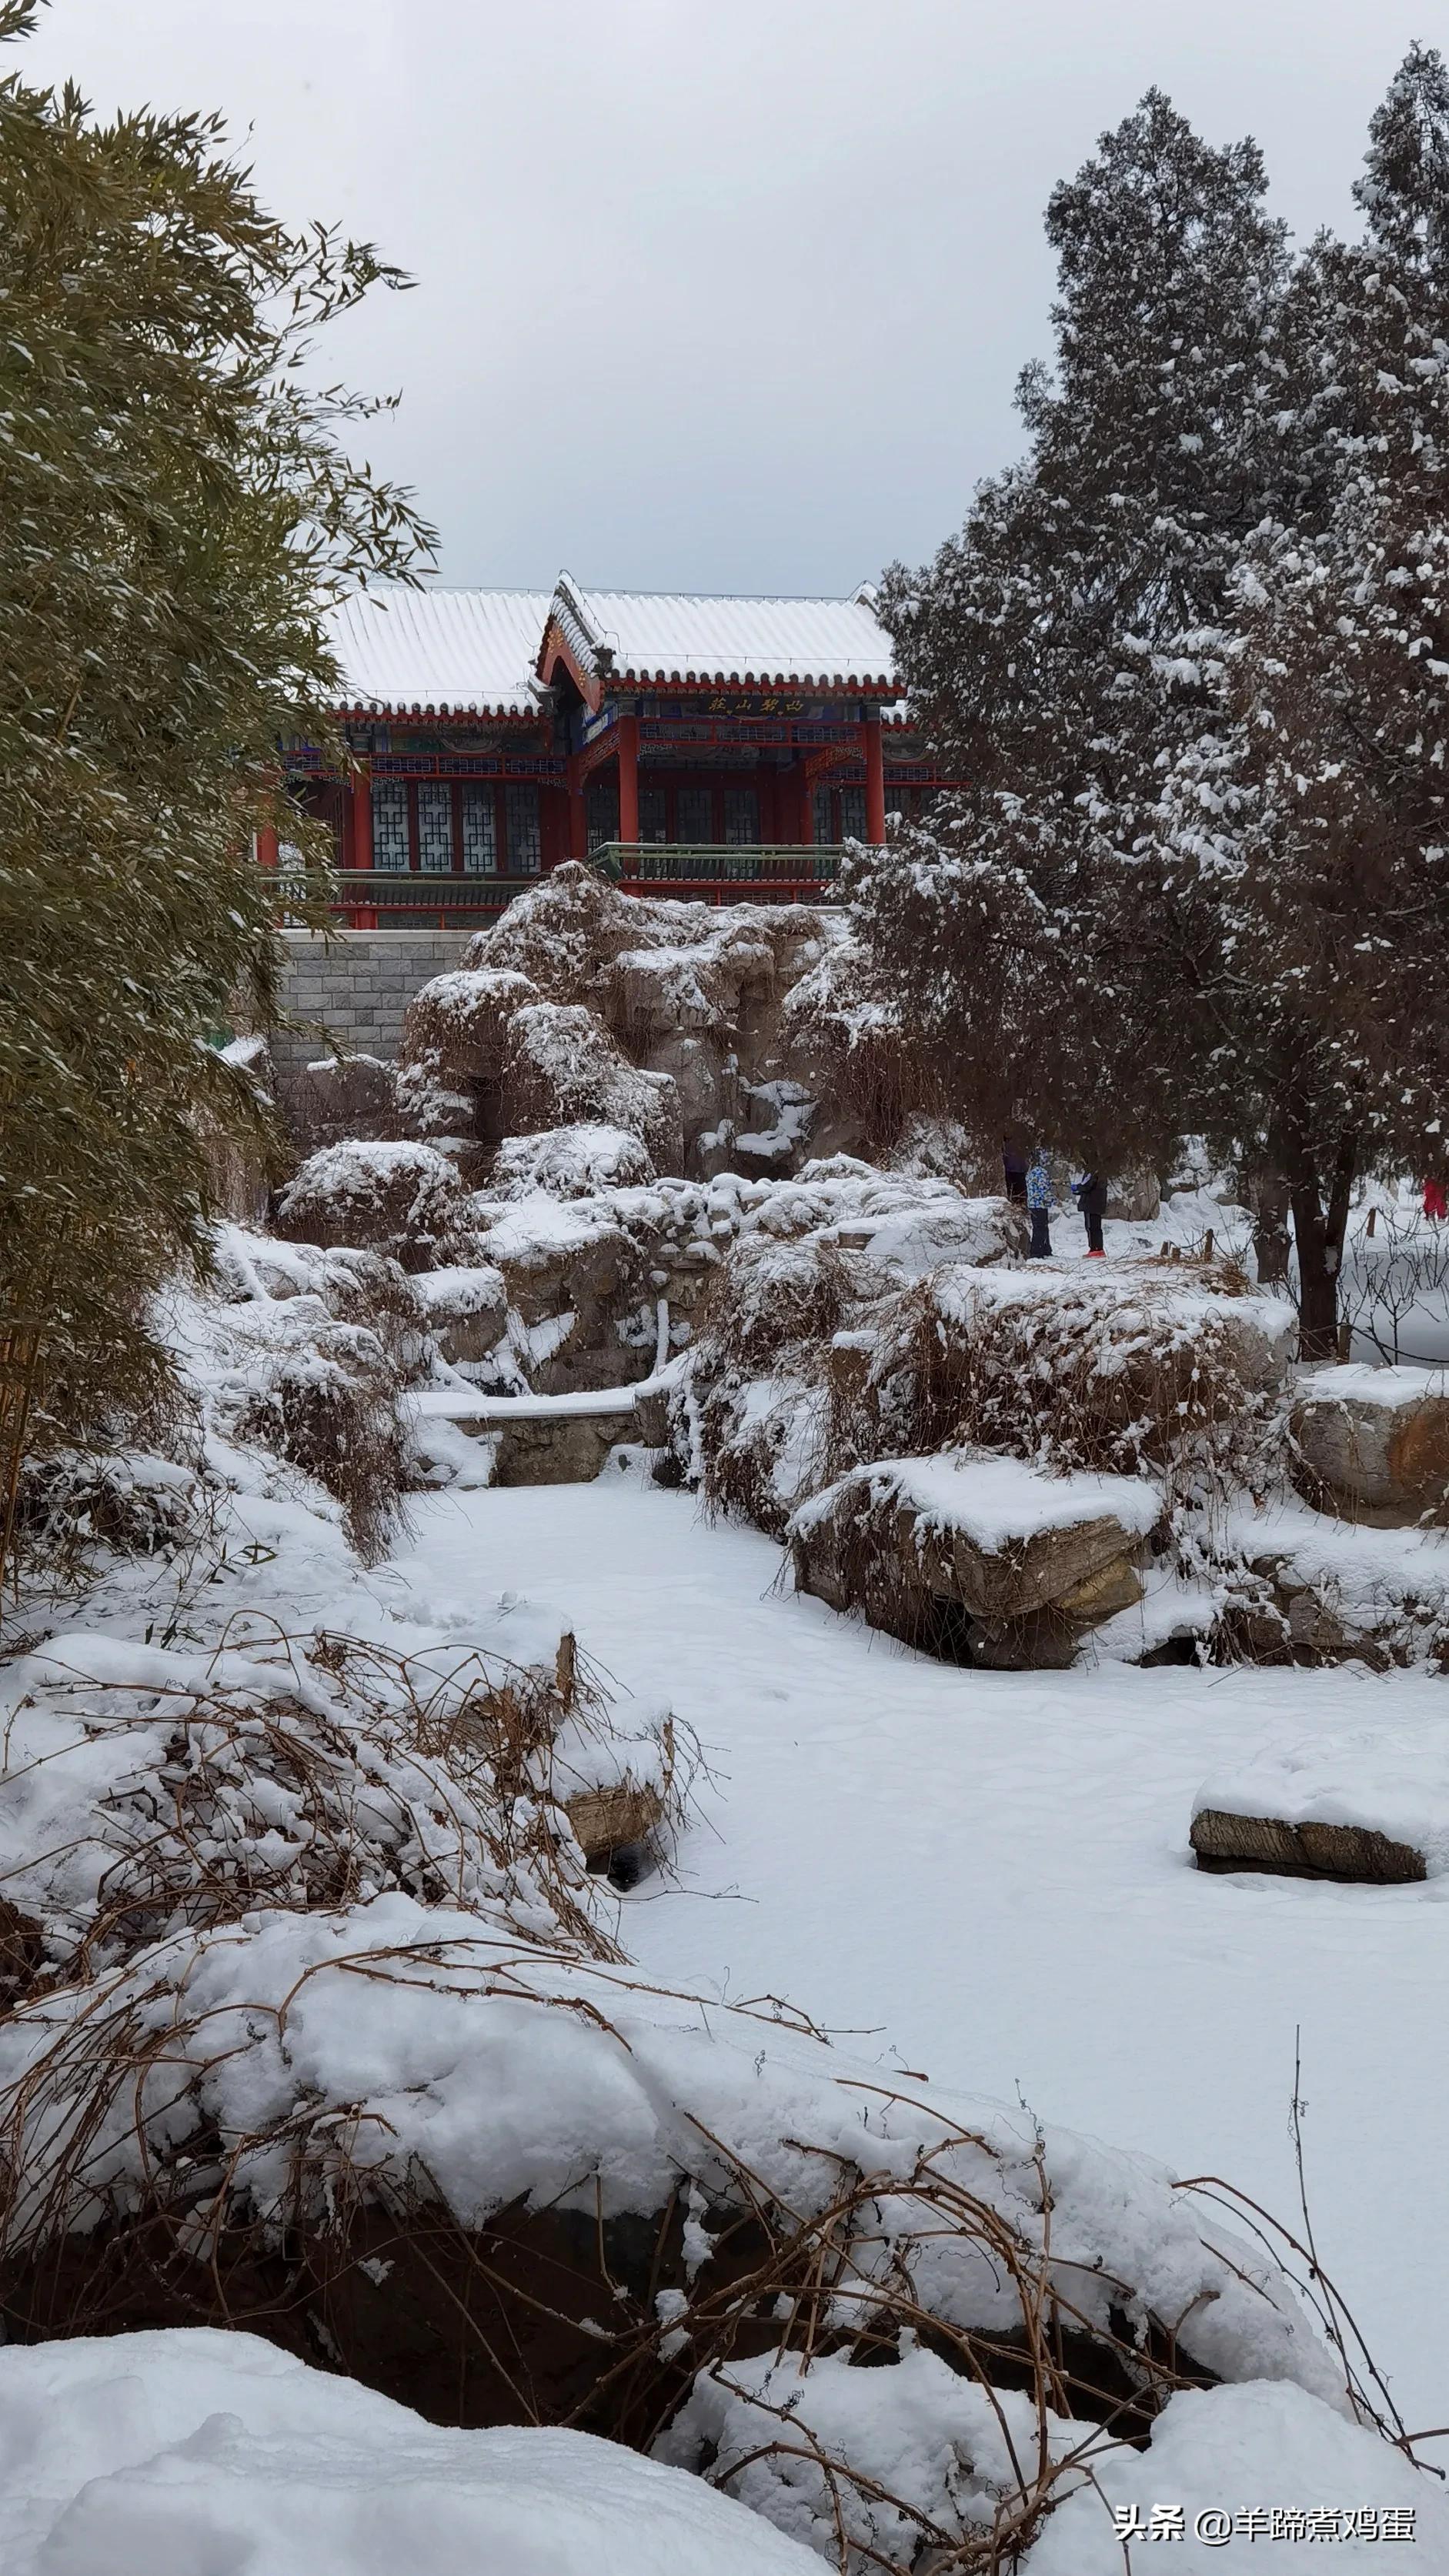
(209, 2454)
(987, 1877)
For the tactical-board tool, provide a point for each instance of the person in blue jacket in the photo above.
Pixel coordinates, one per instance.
(1039, 1206)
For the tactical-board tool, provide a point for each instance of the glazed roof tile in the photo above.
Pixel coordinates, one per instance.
(678, 635)
(464, 652)
(476, 652)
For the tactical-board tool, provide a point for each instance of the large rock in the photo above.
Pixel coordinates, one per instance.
(467, 1309)
(691, 996)
(399, 1198)
(1374, 1443)
(337, 1098)
(979, 1556)
(580, 1290)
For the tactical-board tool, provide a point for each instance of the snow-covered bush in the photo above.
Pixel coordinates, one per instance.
(73, 1500)
(1113, 1373)
(149, 1789)
(400, 1198)
(870, 1077)
(324, 1396)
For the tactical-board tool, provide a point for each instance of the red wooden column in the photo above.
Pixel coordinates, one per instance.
(875, 823)
(578, 821)
(628, 732)
(362, 817)
(806, 824)
(267, 846)
(362, 917)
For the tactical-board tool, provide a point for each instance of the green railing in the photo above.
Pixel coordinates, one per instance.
(815, 863)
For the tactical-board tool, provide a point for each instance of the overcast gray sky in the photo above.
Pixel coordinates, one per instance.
(716, 294)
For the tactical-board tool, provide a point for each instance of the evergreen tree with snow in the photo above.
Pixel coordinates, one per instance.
(1189, 655)
(1054, 644)
(1309, 823)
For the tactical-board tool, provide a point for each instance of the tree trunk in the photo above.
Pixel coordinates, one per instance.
(1318, 1233)
(1269, 1198)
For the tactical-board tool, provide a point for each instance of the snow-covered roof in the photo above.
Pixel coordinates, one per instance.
(459, 652)
(479, 652)
(677, 635)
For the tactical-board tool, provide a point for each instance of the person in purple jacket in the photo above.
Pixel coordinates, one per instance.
(1090, 1193)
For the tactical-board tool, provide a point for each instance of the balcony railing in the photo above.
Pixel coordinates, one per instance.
(780, 872)
(773, 863)
(402, 898)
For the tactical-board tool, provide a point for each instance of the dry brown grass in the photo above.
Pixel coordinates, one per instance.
(440, 1783)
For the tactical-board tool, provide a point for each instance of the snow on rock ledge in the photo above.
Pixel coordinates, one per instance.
(984, 1535)
(404, 1199)
(188, 2450)
(1371, 1805)
(1376, 1440)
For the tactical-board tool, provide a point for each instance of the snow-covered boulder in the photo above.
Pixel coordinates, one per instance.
(466, 1307)
(485, 1055)
(401, 1198)
(344, 2084)
(1311, 1587)
(982, 1552)
(189, 2450)
(1371, 1806)
(1375, 1442)
(570, 1162)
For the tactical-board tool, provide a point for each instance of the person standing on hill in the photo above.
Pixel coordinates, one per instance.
(1090, 1193)
(1013, 1164)
(1039, 1206)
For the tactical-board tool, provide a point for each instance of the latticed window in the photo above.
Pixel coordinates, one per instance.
(390, 825)
(822, 807)
(898, 800)
(435, 826)
(694, 814)
(653, 814)
(480, 831)
(852, 813)
(601, 812)
(524, 842)
(741, 817)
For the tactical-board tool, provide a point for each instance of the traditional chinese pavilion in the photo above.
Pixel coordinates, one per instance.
(721, 746)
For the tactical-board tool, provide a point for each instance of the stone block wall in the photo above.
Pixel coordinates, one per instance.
(355, 988)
